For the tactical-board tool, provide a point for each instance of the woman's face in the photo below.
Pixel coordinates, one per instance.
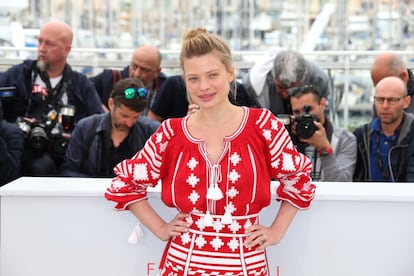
(207, 80)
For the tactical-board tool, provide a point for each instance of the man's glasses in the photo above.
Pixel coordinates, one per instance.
(301, 89)
(390, 100)
(130, 93)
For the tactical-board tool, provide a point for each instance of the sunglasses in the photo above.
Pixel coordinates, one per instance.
(130, 93)
(301, 89)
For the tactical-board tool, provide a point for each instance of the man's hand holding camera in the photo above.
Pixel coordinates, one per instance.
(306, 129)
(318, 139)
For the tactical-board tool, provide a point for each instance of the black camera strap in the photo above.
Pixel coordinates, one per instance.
(54, 97)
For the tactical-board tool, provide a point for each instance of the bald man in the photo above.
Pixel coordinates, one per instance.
(145, 65)
(44, 86)
(389, 64)
(386, 145)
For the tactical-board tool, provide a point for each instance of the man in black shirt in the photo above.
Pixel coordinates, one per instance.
(100, 142)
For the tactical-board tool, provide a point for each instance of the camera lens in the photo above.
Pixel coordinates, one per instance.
(305, 128)
(38, 139)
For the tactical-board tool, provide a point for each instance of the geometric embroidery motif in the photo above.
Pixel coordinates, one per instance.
(216, 243)
(200, 241)
(233, 244)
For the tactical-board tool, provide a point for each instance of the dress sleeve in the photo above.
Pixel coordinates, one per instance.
(291, 168)
(134, 175)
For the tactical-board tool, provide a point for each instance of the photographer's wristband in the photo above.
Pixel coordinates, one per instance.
(325, 151)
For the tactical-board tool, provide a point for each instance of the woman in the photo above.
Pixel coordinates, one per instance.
(215, 166)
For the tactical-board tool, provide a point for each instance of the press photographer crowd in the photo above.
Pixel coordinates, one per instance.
(49, 125)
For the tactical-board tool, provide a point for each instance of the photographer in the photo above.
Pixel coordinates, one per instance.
(272, 76)
(43, 88)
(331, 149)
(100, 142)
(11, 150)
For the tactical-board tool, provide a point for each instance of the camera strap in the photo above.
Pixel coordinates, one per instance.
(54, 97)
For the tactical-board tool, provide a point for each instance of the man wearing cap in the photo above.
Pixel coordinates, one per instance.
(99, 142)
(331, 149)
(271, 77)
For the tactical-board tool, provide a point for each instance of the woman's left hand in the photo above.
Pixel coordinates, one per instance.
(261, 237)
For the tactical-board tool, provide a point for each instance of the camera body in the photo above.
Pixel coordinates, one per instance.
(46, 135)
(305, 127)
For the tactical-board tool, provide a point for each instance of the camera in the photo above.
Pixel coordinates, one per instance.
(305, 128)
(47, 134)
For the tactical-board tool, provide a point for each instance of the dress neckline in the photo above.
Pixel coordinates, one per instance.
(226, 138)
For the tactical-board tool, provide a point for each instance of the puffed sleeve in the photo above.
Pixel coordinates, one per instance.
(134, 175)
(291, 168)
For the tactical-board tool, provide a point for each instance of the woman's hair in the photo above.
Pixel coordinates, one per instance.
(198, 42)
(136, 102)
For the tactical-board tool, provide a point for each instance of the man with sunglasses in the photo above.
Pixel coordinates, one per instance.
(100, 142)
(145, 65)
(331, 149)
(386, 144)
(271, 77)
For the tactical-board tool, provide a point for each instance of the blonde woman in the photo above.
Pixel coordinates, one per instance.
(216, 165)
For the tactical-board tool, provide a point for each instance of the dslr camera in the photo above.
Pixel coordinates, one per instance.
(47, 134)
(305, 127)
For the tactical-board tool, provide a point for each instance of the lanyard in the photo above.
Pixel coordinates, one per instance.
(385, 172)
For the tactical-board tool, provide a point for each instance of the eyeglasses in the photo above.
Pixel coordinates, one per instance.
(390, 100)
(130, 93)
(301, 89)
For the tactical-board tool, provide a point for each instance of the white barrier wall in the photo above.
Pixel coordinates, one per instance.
(64, 226)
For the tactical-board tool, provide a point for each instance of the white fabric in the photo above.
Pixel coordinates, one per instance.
(136, 234)
(258, 72)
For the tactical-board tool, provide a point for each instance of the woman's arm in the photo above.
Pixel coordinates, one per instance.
(150, 218)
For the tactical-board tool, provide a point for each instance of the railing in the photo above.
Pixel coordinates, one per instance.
(351, 100)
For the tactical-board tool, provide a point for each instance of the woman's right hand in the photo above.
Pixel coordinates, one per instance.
(175, 227)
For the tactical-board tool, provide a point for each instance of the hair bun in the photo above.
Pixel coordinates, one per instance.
(194, 33)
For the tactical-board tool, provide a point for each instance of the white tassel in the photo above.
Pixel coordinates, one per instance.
(208, 219)
(136, 234)
(227, 218)
(214, 192)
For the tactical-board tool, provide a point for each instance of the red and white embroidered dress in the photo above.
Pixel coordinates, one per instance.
(223, 199)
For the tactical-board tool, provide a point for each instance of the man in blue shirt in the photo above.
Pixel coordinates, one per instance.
(386, 144)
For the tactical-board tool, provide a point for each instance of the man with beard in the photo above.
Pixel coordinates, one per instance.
(100, 142)
(43, 87)
(331, 149)
(145, 65)
(386, 145)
